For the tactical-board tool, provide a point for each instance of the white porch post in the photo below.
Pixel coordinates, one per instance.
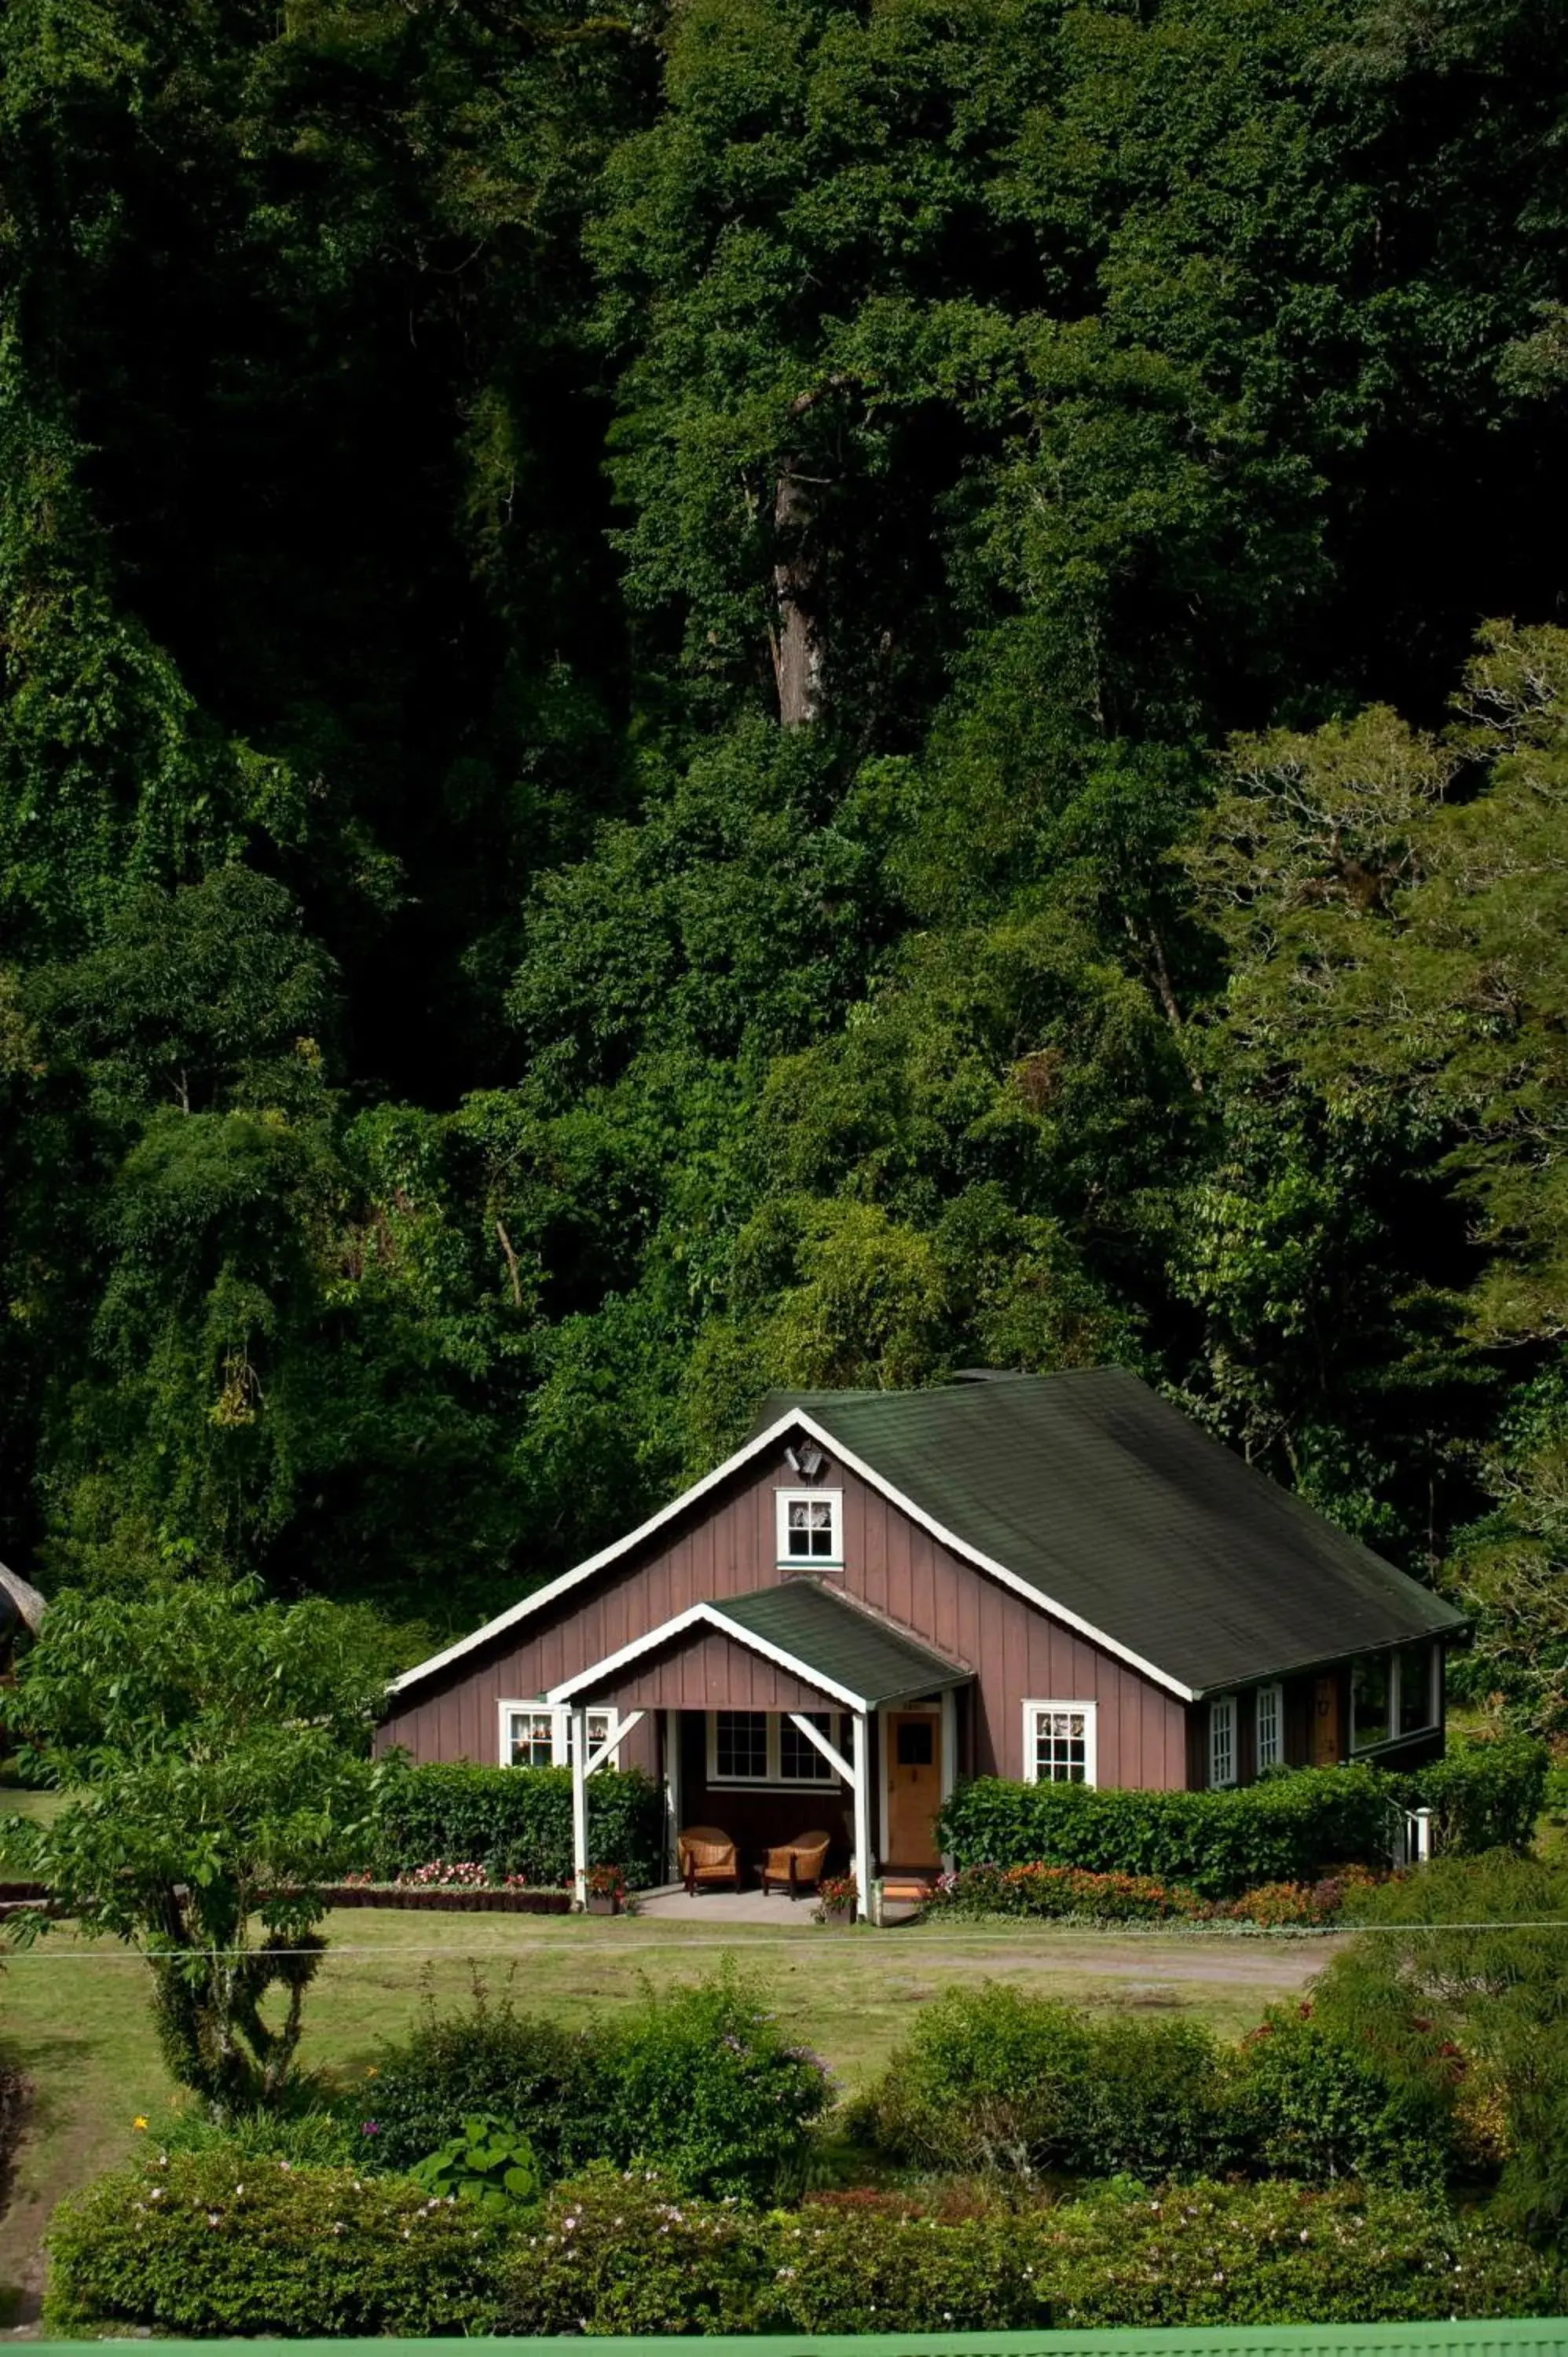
(580, 1804)
(672, 1789)
(863, 1858)
(949, 1755)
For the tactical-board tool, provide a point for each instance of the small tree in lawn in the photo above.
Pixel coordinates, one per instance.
(214, 1750)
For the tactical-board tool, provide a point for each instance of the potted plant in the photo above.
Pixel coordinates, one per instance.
(838, 1899)
(607, 1889)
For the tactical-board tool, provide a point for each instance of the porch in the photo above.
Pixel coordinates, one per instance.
(789, 1713)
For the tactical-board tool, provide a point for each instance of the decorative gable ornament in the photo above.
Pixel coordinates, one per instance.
(807, 1460)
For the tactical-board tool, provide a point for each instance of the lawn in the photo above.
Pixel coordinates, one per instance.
(76, 2018)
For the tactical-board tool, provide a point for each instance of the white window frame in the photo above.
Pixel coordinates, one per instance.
(1091, 1738)
(1274, 1695)
(559, 1716)
(1398, 1733)
(775, 1781)
(782, 1501)
(1222, 1713)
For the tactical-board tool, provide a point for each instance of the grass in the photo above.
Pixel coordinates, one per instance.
(76, 2017)
(37, 1807)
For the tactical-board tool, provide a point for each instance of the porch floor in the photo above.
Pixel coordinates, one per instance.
(773, 1908)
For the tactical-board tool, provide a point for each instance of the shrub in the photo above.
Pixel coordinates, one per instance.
(518, 1822)
(1484, 1794)
(627, 2252)
(703, 2082)
(993, 2081)
(1290, 1828)
(838, 2270)
(185, 2246)
(1316, 2106)
(317, 2137)
(1275, 2255)
(486, 2059)
(1055, 1892)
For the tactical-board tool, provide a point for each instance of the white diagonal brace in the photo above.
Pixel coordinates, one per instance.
(608, 1749)
(835, 1759)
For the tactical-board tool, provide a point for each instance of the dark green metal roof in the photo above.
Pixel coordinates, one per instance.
(1106, 1500)
(839, 1641)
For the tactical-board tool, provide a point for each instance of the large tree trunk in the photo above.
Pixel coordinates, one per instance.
(797, 636)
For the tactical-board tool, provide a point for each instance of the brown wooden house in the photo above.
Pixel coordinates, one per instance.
(1041, 1576)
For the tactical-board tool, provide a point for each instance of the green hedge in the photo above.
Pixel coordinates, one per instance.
(1288, 1828)
(203, 2243)
(189, 2248)
(518, 1820)
(1486, 1793)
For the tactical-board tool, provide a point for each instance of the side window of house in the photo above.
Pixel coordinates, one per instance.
(538, 1735)
(1058, 1742)
(811, 1526)
(759, 1746)
(1222, 1740)
(1270, 1727)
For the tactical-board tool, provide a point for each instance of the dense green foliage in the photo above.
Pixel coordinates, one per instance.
(515, 1821)
(184, 2248)
(1015, 2086)
(1474, 1953)
(212, 1748)
(765, 693)
(1483, 1795)
(700, 2082)
(1290, 1828)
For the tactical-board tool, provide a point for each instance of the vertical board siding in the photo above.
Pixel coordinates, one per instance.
(727, 1546)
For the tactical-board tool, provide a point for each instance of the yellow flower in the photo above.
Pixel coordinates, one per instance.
(139, 2122)
(372, 2072)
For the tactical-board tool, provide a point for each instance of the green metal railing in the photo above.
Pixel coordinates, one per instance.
(1523, 2337)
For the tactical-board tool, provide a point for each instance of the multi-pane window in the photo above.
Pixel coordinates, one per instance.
(1058, 1742)
(740, 1745)
(1270, 1727)
(538, 1735)
(1222, 1740)
(757, 1746)
(532, 1740)
(799, 1761)
(811, 1526)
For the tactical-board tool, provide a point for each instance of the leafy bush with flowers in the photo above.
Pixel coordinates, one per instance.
(1318, 2103)
(481, 2057)
(628, 2251)
(842, 2267)
(837, 1895)
(704, 2084)
(1276, 2254)
(208, 2244)
(446, 1874)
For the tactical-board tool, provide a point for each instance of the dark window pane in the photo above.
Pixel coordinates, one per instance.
(1370, 1702)
(1415, 1688)
(917, 1746)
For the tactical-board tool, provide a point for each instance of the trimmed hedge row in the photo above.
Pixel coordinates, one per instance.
(518, 1821)
(1291, 1828)
(1288, 1828)
(188, 2247)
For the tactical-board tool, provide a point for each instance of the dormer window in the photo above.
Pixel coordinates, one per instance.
(810, 1529)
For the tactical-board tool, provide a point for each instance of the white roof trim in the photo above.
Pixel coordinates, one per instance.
(793, 1418)
(568, 1579)
(717, 1618)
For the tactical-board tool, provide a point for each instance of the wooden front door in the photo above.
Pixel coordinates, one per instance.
(1326, 1722)
(914, 1787)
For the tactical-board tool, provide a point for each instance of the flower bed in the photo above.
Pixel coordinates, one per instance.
(1071, 1893)
(453, 1899)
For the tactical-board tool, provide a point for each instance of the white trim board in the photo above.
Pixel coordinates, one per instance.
(716, 1618)
(796, 1419)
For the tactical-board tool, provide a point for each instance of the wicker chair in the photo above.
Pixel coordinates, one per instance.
(705, 1854)
(798, 1864)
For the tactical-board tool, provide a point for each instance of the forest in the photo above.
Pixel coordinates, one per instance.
(754, 693)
